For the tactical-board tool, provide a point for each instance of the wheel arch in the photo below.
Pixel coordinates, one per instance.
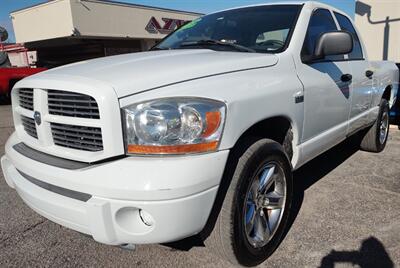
(278, 128)
(387, 93)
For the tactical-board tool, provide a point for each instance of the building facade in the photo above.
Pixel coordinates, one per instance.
(64, 31)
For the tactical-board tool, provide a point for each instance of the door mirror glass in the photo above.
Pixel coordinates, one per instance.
(333, 43)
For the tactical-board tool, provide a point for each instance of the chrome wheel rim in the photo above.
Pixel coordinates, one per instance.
(384, 127)
(265, 204)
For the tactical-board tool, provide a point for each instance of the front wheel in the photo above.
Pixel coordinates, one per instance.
(256, 207)
(376, 137)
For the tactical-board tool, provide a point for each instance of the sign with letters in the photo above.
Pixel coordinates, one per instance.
(167, 26)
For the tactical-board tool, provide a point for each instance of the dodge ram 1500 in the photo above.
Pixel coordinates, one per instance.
(200, 135)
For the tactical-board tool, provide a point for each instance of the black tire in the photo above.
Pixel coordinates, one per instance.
(5, 99)
(228, 238)
(372, 141)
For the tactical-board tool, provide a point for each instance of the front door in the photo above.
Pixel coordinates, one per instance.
(326, 89)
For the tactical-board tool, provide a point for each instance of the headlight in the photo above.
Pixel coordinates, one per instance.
(174, 126)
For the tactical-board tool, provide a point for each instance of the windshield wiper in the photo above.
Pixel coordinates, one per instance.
(211, 42)
(159, 48)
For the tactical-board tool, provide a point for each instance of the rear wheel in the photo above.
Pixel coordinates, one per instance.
(376, 137)
(256, 207)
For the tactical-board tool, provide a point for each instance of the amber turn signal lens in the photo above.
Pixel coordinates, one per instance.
(173, 149)
(213, 119)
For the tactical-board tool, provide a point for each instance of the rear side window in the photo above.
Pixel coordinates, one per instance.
(345, 24)
(321, 22)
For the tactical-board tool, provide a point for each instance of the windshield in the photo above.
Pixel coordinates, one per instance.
(264, 29)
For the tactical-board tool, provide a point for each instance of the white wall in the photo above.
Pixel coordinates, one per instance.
(51, 19)
(382, 39)
(101, 19)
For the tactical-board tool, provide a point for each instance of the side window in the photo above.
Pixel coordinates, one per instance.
(321, 21)
(345, 24)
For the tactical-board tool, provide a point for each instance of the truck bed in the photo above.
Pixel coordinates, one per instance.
(386, 72)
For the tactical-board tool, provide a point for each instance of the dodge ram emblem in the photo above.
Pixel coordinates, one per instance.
(37, 117)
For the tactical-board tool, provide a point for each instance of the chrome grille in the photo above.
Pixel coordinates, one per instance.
(77, 137)
(72, 104)
(26, 98)
(69, 120)
(29, 126)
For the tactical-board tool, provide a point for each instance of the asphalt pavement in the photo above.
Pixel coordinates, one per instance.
(347, 214)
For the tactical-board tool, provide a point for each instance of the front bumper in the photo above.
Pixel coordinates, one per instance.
(176, 193)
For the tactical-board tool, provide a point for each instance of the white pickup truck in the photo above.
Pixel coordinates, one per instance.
(201, 134)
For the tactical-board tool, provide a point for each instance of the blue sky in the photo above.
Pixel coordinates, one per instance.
(202, 6)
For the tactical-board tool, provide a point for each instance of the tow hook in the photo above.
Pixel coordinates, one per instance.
(131, 247)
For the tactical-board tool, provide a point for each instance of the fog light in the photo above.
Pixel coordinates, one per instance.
(134, 221)
(146, 218)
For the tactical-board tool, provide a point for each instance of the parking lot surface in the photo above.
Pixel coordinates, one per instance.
(347, 213)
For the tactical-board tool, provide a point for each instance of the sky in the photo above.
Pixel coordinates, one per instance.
(201, 6)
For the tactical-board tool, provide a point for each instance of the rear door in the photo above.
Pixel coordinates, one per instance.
(326, 95)
(361, 86)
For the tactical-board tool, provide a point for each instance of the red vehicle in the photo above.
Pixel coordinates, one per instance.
(13, 69)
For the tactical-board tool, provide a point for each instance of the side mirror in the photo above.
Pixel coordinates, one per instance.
(333, 43)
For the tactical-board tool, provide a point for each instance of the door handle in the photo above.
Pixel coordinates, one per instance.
(369, 73)
(346, 77)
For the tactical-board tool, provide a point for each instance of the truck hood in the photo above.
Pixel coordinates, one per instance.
(134, 73)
